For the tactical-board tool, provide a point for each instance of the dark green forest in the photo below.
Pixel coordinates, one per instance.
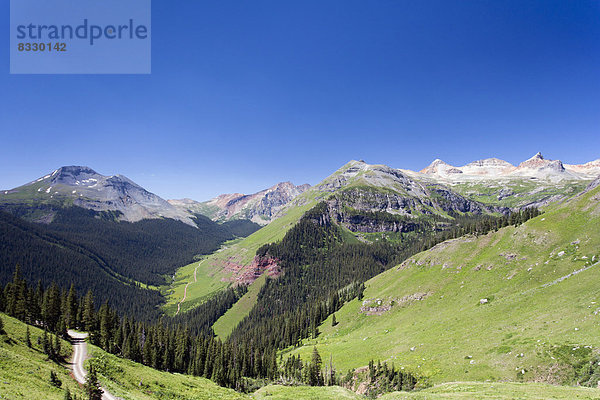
(93, 251)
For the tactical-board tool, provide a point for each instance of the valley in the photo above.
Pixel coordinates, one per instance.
(482, 279)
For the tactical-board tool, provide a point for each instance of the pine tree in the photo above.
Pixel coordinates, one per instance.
(315, 377)
(70, 308)
(89, 313)
(27, 337)
(54, 381)
(1, 326)
(92, 386)
(334, 320)
(57, 347)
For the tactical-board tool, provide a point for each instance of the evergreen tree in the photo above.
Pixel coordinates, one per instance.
(1, 326)
(92, 386)
(57, 348)
(54, 381)
(70, 308)
(27, 337)
(315, 377)
(334, 320)
(89, 313)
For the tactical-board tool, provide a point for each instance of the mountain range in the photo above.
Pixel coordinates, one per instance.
(83, 187)
(260, 207)
(449, 273)
(536, 167)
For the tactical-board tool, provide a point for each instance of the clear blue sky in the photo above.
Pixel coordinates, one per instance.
(244, 94)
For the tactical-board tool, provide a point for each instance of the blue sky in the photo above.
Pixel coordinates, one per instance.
(246, 94)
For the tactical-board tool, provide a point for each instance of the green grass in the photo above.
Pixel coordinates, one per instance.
(276, 392)
(239, 310)
(25, 372)
(454, 390)
(208, 282)
(525, 191)
(129, 380)
(449, 336)
(214, 274)
(497, 391)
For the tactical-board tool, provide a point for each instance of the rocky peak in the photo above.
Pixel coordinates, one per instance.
(490, 162)
(539, 162)
(440, 167)
(69, 175)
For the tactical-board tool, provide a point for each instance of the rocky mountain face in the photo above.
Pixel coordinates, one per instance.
(260, 207)
(534, 182)
(537, 167)
(377, 198)
(84, 187)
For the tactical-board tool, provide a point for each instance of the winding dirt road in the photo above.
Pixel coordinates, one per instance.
(79, 356)
(185, 288)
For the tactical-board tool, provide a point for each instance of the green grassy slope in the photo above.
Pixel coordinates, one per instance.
(455, 390)
(213, 275)
(278, 392)
(206, 282)
(448, 335)
(25, 372)
(497, 391)
(132, 381)
(517, 192)
(228, 321)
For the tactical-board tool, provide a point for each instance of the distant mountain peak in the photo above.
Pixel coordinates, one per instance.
(439, 166)
(537, 156)
(83, 187)
(260, 207)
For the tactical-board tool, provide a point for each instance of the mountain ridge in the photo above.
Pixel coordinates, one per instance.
(83, 187)
(260, 207)
(536, 167)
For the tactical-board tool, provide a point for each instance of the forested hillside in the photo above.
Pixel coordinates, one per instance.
(93, 251)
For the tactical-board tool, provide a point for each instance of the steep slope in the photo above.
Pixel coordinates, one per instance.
(363, 198)
(260, 207)
(84, 187)
(518, 304)
(49, 257)
(26, 370)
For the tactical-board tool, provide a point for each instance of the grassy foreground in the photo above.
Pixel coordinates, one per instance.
(455, 390)
(132, 381)
(497, 391)
(25, 372)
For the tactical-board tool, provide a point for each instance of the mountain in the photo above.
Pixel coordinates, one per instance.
(533, 183)
(84, 187)
(103, 233)
(536, 167)
(520, 303)
(260, 207)
(371, 202)
(368, 202)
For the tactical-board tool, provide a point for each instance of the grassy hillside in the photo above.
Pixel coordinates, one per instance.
(278, 392)
(458, 391)
(497, 391)
(213, 273)
(132, 381)
(517, 192)
(25, 372)
(539, 322)
(240, 309)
